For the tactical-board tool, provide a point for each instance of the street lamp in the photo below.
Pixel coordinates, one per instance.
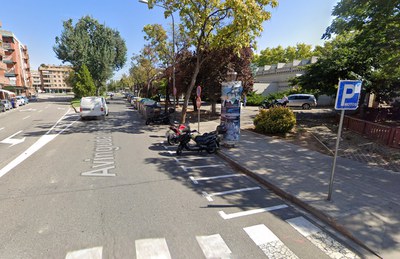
(173, 50)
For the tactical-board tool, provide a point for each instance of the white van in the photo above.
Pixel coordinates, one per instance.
(93, 106)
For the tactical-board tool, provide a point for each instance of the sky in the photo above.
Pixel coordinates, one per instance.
(37, 23)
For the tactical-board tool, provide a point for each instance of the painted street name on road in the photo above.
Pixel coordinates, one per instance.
(103, 160)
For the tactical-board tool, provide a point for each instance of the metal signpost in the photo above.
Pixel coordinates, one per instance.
(347, 98)
(198, 104)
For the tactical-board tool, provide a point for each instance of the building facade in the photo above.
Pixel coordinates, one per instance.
(275, 78)
(53, 78)
(36, 81)
(15, 74)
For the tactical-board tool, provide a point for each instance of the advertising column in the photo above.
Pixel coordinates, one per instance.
(230, 111)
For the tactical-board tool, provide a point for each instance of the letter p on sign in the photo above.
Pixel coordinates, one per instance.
(348, 95)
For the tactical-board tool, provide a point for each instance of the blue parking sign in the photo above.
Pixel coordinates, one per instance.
(348, 95)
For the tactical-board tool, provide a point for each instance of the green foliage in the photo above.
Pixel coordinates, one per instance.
(88, 42)
(275, 120)
(375, 27)
(278, 54)
(82, 82)
(254, 99)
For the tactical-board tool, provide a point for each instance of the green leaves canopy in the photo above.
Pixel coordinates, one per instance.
(88, 42)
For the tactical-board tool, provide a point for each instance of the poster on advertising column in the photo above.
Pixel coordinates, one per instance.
(230, 111)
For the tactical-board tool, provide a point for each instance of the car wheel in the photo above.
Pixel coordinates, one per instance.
(306, 106)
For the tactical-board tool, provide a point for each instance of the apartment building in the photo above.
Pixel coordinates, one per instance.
(36, 81)
(15, 72)
(53, 78)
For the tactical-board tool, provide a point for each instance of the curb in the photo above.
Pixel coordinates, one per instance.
(287, 196)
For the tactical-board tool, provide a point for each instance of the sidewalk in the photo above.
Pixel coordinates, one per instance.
(365, 204)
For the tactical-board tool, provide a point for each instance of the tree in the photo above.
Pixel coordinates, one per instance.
(210, 25)
(278, 54)
(376, 28)
(100, 48)
(339, 59)
(82, 82)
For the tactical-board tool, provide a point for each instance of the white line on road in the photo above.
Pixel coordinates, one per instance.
(250, 212)
(42, 141)
(1, 128)
(152, 248)
(13, 141)
(214, 246)
(92, 253)
(26, 117)
(185, 168)
(196, 180)
(193, 158)
(268, 242)
(209, 196)
(40, 110)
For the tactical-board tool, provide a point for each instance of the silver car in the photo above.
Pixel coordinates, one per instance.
(305, 101)
(7, 104)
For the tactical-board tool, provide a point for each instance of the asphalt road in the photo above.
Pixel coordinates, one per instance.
(113, 189)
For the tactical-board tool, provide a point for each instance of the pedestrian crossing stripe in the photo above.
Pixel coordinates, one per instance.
(250, 212)
(213, 246)
(152, 248)
(89, 253)
(268, 242)
(320, 239)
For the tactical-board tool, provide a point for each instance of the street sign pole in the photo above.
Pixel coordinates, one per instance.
(347, 98)
(335, 156)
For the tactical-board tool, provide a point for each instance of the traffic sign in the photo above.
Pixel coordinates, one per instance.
(348, 94)
(198, 102)
(198, 91)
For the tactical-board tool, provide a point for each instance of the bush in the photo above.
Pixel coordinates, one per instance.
(275, 120)
(254, 99)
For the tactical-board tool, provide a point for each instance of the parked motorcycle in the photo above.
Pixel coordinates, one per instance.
(210, 142)
(270, 104)
(163, 118)
(175, 131)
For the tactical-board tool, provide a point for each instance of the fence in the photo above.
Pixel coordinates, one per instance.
(384, 134)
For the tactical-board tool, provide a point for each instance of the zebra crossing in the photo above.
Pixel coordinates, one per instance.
(214, 245)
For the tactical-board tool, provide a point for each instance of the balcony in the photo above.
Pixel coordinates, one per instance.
(8, 46)
(10, 73)
(8, 61)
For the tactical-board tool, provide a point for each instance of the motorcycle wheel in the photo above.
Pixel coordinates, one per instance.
(179, 150)
(148, 121)
(211, 149)
(172, 139)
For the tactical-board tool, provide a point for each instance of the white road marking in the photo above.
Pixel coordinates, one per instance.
(27, 110)
(90, 253)
(185, 168)
(196, 180)
(268, 242)
(320, 239)
(1, 128)
(250, 212)
(43, 140)
(193, 158)
(26, 117)
(152, 248)
(12, 141)
(214, 246)
(208, 196)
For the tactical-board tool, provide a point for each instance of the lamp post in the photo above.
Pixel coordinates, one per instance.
(173, 51)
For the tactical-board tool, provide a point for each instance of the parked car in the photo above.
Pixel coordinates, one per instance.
(20, 100)
(33, 98)
(93, 106)
(2, 107)
(26, 99)
(305, 101)
(7, 104)
(14, 102)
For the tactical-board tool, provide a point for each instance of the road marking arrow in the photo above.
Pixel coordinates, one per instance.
(12, 141)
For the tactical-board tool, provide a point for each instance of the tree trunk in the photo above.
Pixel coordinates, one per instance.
(190, 89)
